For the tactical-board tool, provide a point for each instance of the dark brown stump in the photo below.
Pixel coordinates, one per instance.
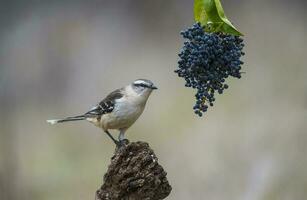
(134, 174)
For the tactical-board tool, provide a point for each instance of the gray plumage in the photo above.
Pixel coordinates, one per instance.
(106, 105)
(118, 110)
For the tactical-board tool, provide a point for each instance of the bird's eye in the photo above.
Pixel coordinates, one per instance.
(140, 85)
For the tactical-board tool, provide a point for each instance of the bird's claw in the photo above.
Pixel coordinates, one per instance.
(122, 143)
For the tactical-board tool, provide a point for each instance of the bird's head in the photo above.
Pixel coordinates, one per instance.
(143, 87)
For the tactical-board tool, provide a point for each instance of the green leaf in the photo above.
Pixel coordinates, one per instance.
(211, 12)
(199, 12)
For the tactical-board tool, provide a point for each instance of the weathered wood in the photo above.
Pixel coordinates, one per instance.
(134, 174)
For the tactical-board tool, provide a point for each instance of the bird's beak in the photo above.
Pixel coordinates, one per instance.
(154, 87)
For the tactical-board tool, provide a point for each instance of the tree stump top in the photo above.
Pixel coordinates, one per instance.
(134, 174)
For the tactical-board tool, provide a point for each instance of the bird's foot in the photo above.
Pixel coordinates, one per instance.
(122, 143)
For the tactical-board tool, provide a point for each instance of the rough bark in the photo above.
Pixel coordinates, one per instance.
(134, 174)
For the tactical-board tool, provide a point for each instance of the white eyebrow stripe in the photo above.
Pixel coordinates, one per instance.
(140, 82)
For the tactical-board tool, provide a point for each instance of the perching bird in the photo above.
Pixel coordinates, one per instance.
(119, 110)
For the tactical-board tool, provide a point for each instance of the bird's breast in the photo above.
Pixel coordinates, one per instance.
(125, 113)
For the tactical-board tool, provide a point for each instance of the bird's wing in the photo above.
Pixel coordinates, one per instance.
(106, 105)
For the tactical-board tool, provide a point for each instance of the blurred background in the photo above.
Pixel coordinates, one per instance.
(61, 57)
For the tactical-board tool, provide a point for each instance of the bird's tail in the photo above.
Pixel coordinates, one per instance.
(67, 119)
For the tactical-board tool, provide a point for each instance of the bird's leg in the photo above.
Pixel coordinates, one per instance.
(121, 137)
(112, 138)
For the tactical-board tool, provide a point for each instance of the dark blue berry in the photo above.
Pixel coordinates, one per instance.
(206, 60)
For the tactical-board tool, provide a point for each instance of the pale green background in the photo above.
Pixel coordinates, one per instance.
(59, 58)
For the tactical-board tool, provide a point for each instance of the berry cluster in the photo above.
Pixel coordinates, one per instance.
(206, 60)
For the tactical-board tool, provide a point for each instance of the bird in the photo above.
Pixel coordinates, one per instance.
(118, 110)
